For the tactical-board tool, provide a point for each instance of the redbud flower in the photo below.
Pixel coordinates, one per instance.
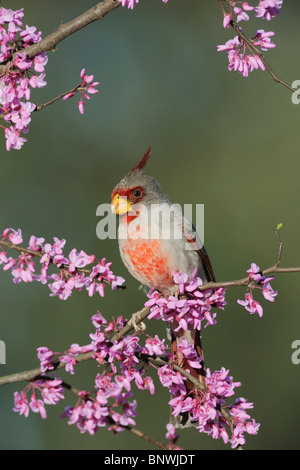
(226, 21)
(132, 3)
(37, 406)
(260, 282)
(268, 9)
(24, 267)
(242, 58)
(171, 433)
(20, 76)
(193, 309)
(81, 106)
(21, 404)
(86, 87)
(68, 95)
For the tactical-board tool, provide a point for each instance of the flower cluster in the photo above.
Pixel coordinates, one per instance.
(21, 75)
(186, 311)
(242, 56)
(126, 360)
(211, 419)
(72, 273)
(257, 281)
(190, 307)
(132, 3)
(51, 392)
(208, 410)
(86, 87)
(89, 414)
(124, 364)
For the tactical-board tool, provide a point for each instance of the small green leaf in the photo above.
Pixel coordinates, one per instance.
(279, 226)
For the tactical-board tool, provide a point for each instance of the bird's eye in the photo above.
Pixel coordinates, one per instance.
(137, 193)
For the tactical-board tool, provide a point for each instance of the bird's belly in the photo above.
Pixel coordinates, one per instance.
(148, 262)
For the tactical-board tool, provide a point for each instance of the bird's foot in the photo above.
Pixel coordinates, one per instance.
(136, 323)
(175, 291)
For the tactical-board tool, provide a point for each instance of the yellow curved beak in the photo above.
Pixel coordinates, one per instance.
(120, 205)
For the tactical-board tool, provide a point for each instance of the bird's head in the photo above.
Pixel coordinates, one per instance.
(135, 189)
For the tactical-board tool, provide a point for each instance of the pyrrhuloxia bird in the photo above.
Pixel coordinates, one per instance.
(157, 241)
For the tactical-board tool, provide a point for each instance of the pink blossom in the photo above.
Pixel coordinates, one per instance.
(154, 346)
(257, 281)
(69, 278)
(36, 244)
(127, 362)
(21, 404)
(268, 9)
(3, 258)
(226, 21)
(192, 310)
(81, 106)
(39, 63)
(37, 406)
(68, 95)
(37, 81)
(262, 39)
(24, 270)
(70, 362)
(29, 34)
(251, 305)
(86, 87)
(13, 138)
(268, 292)
(22, 62)
(14, 236)
(254, 272)
(171, 433)
(51, 391)
(132, 3)
(45, 357)
(15, 85)
(241, 58)
(240, 14)
(79, 260)
(129, 3)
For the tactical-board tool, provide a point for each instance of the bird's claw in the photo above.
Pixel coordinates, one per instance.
(136, 323)
(175, 290)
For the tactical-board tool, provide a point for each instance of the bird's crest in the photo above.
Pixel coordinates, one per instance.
(143, 161)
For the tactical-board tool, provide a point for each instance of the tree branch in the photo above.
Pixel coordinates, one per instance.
(34, 374)
(274, 269)
(137, 318)
(41, 253)
(50, 42)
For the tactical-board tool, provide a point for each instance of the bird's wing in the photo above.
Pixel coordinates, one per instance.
(193, 238)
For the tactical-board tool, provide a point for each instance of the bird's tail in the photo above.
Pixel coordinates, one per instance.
(193, 337)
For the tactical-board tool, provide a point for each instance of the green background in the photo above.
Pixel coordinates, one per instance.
(219, 139)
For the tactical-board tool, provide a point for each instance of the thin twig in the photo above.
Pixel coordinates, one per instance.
(73, 90)
(253, 48)
(274, 269)
(141, 434)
